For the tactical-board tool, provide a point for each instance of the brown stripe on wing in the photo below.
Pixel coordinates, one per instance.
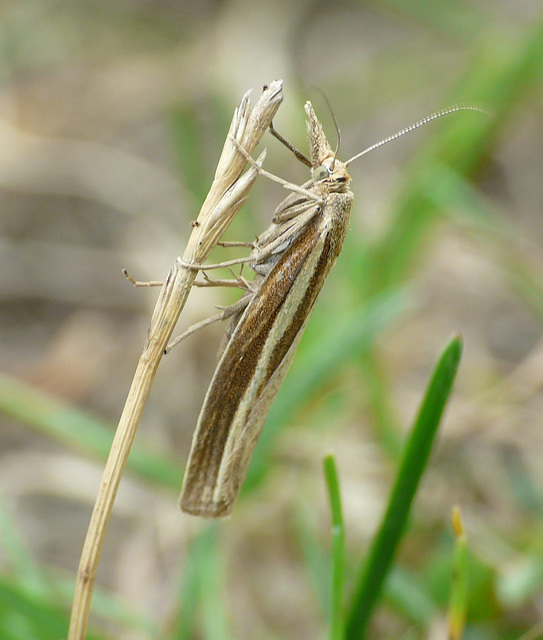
(235, 372)
(277, 369)
(335, 225)
(298, 319)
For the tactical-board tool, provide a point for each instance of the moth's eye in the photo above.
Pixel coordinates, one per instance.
(320, 173)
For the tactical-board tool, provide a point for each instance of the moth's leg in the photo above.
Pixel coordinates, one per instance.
(238, 281)
(218, 265)
(216, 282)
(137, 283)
(287, 144)
(226, 313)
(287, 185)
(236, 244)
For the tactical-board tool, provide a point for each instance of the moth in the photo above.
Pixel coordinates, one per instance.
(291, 261)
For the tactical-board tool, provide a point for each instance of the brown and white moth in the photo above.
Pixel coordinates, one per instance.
(291, 260)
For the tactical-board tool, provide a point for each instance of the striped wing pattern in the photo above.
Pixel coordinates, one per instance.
(255, 362)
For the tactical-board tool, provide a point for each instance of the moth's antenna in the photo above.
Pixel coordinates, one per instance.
(289, 146)
(416, 125)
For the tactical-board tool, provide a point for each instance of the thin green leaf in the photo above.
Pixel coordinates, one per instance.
(189, 592)
(316, 558)
(338, 550)
(108, 607)
(380, 397)
(202, 590)
(405, 591)
(412, 466)
(25, 615)
(73, 427)
(24, 570)
(211, 581)
(499, 77)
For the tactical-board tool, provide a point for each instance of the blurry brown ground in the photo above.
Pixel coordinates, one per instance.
(90, 183)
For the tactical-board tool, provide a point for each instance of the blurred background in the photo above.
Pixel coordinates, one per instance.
(112, 119)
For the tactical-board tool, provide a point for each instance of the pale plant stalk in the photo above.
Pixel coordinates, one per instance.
(227, 193)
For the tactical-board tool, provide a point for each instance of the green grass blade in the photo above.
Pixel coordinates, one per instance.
(23, 569)
(59, 420)
(189, 592)
(211, 586)
(108, 607)
(407, 593)
(412, 466)
(315, 556)
(380, 399)
(24, 615)
(338, 550)
(202, 591)
(497, 78)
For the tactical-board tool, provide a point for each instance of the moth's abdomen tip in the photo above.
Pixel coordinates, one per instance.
(206, 509)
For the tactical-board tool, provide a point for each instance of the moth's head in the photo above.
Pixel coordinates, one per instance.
(325, 167)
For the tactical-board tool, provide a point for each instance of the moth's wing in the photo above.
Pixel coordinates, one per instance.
(286, 228)
(290, 206)
(249, 375)
(211, 489)
(245, 433)
(231, 326)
